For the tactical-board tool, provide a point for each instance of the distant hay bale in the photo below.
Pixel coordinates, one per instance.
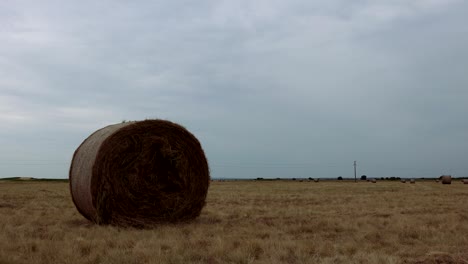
(412, 181)
(139, 174)
(373, 180)
(446, 179)
(437, 180)
(465, 181)
(316, 180)
(403, 181)
(25, 178)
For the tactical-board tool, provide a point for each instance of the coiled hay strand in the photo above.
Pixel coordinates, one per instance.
(446, 179)
(140, 174)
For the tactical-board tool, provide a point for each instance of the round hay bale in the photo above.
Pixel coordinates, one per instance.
(316, 180)
(446, 179)
(412, 181)
(403, 181)
(465, 181)
(139, 174)
(373, 180)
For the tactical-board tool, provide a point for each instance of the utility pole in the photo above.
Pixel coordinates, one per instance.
(355, 179)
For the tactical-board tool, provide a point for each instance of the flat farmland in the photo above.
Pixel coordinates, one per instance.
(250, 222)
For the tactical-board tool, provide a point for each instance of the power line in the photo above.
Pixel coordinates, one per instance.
(32, 164)
(269, 165)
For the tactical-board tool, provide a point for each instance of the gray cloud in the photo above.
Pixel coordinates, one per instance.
(271, 88)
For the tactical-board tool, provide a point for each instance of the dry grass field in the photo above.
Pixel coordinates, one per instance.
(250, 222)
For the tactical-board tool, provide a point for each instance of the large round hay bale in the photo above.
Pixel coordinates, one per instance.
(446, 179)
(465, 181)
(412, 181)
(139, 174)
(373, 180)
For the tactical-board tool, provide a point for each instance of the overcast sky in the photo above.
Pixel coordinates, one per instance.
(296, 88)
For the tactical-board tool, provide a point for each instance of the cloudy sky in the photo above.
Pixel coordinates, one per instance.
(271, 88)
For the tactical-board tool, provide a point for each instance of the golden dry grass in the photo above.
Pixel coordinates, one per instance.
(250, 222)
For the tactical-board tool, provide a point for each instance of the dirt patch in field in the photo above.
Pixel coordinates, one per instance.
(5, 205)
(443, 258)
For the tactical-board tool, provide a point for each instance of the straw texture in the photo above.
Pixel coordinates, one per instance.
(140, 174)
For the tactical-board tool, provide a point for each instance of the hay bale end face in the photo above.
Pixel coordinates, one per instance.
(446, 179)
(140, 174)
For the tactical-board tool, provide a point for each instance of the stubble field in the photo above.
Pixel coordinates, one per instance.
(250, 222)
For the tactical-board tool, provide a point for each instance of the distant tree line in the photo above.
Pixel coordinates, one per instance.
(340, 178)
(364, 177)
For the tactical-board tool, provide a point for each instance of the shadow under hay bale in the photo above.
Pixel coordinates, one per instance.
(446, 179)
(140, 174)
